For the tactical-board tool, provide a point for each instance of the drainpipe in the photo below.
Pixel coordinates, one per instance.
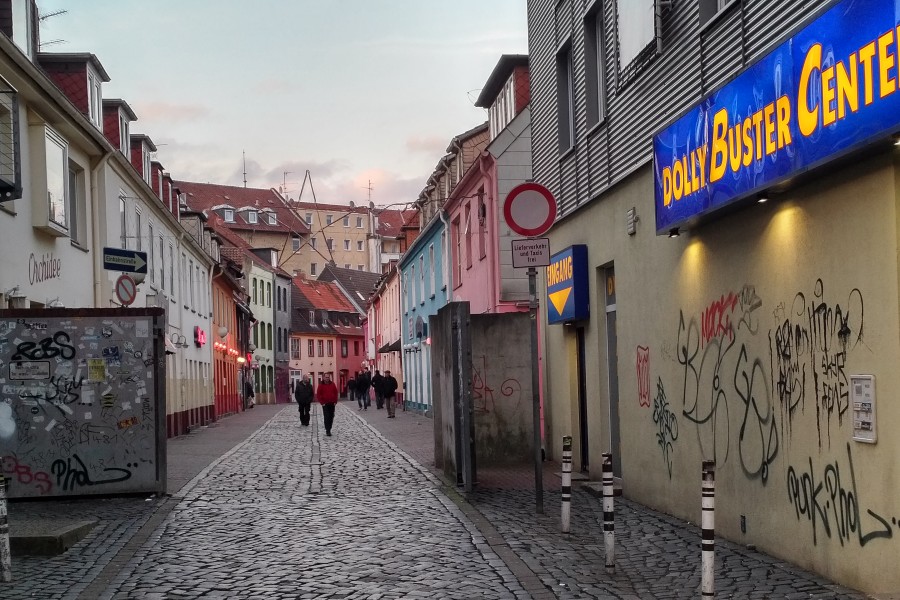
(99, 210)
(495, 239)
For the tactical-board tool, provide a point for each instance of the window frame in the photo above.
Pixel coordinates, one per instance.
(595, 67)
(565, 99)
(228, 215)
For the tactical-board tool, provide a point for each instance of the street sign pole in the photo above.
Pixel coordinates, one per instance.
(535, 393)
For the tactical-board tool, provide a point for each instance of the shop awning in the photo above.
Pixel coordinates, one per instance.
(392, 347)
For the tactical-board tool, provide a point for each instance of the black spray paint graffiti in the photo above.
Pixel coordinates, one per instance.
(49, 347)
(73, 473)
(667, 425)
(813, 340)
(706, 393)
(828, 503)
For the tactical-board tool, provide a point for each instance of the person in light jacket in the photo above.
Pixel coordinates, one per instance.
(327, 396)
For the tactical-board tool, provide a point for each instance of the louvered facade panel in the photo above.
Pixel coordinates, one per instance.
(721, 50)
(542, 74)
(768, 23)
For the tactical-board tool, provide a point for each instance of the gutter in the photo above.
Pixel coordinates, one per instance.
(95, 228)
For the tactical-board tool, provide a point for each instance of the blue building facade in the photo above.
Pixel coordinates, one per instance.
(424, 288)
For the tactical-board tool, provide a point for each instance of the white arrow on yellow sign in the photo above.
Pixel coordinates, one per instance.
(559, 299)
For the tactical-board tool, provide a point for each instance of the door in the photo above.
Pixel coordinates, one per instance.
(613, 368)
(583, 439)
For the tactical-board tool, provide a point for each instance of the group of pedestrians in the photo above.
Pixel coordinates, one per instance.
(384, 386)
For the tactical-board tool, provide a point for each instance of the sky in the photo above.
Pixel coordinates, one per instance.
(352, 91)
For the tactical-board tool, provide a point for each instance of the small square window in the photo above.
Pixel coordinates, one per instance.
(251, 216)
(313, 269)
(295, 243)
(309, 219)
(229, 215)
(360, 267)
(347, 221)
(346, 244)
(328, 219)
(359, 245)
(312, 243)
(359, 222)
(273, 219)
(347, 265)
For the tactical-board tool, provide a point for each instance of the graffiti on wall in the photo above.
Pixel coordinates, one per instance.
(721, 376)
(666, 425)
(76, 415)
(831, 504)
(809, 347)
(643, 375)
(483, 400)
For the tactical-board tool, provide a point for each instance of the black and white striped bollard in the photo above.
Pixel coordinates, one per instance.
(566, 482)
(609, 524)
(708, 527)
(5, 556)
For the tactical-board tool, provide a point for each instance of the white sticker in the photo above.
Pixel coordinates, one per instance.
(141, 328)
(87, 396)
(87, 416)
(126, 406)
(50, 425)
(39, 419)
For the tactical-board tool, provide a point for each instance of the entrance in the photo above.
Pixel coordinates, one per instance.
(613, 366)
(582, 402)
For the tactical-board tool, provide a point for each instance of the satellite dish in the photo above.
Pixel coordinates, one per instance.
(352, 204)
(371, 205)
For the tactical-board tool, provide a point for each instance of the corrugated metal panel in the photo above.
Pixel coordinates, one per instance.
(721, 50)
(671, 83)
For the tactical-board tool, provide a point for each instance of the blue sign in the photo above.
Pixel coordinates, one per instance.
(567, 286)
(828, 90)
(120, 259)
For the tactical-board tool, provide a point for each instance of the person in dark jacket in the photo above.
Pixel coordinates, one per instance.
(303, 394)
(389, 389)
(351, 387)
(362, 388)
(249, 401)
(327, 396)
(377, 382)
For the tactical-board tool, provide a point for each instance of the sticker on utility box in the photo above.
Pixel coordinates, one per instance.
(531, 252)
(29, 370)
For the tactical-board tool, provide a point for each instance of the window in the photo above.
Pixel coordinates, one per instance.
(273, 219)
(636, 28)
(256, 335)
(138, 229)
(269, 295)
(312, 243)
(468, 234)
(313, 269)
(346, 220)
(445, 253)
(123, 223)
(482, 224)
(565, 100)
(151, 266)
(162, 263)
(56, 153)
(95, 100)
(457, 258)
(328, 219)
(76, 205)
(321, 346)
(710, 8)
(229, 215)
(310, 349)
(359, 223)
(594, 62)
(360, 267)
(145, 162)
(329, 243)
(254, 291)
(124, 136)
(269, 335)
(251, 216)
(295, 243)
(191, 282)
(356, 348)
(24, 20)
(431, 269)
(309, 219)
(346, 244)
(422, 279)
(172, 270)
(344, 349)
(359, 245)
(330, 347)
(346, 265)
(278, 339)
(312, 317)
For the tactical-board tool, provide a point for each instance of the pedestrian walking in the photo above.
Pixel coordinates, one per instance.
(377, 382)
(327, 396)
(389, 389)
(362, 388)
(303, 394)
(249, 395)
(351, 386)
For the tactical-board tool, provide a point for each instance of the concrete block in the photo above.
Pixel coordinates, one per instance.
(45, 537)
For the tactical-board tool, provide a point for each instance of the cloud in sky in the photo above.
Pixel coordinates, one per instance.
(350, 90)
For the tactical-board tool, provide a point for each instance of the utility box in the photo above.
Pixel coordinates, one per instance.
(82, 401)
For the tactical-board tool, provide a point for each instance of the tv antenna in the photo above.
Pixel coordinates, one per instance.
(55, 13)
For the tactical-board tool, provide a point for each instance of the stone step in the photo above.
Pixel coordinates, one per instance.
(46, 537)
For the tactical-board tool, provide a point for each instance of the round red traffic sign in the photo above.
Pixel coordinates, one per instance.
(126, 290)
(529, 209)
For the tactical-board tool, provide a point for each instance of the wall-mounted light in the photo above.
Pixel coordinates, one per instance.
(674, 233)
(631, 221)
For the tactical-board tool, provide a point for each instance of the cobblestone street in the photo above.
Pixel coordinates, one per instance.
(291, 513)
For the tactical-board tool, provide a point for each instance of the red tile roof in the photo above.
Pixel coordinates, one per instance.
(324, 295)
(392, 221)
(207, 196)
(237, 248)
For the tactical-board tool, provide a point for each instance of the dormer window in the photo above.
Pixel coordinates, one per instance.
(251, 216)
(124, 135)
(146, 163)
(229, 215)
(312, 317)
(95, 100)
(273, 219)
(23, 26)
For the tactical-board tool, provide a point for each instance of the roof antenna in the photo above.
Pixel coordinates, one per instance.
(244, 154)
(369, 188)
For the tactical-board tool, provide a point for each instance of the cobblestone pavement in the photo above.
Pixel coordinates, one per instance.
(291, 513)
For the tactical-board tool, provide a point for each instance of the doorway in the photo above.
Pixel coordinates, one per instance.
(613, 369)
(583, 439)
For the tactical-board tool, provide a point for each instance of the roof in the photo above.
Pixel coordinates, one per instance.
(209, 196)
(46, 58)
(358, 284)
(118, 102)
(237, 248)
(319, 206)
(498, 77)
(323, 295)
(392, 221)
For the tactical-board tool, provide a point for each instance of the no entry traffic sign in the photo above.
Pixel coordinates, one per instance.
(529, 209)
(126, 290)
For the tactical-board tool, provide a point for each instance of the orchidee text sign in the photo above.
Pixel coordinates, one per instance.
(829, 89)
(567, 285)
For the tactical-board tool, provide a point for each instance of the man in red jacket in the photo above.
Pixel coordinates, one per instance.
(327, 396)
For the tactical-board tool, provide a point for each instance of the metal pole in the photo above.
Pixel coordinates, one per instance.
(609, 523)
(5, 556)
(566, 482)
(535, 392)
(707, 524)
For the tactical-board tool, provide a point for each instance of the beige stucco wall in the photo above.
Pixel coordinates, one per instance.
(747, 320)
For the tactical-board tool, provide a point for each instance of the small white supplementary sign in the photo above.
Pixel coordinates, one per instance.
(531, 252)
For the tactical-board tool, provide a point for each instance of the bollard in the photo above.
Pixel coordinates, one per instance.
(609, 524)
(566, 482)
(708, 526)
(5, 557)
